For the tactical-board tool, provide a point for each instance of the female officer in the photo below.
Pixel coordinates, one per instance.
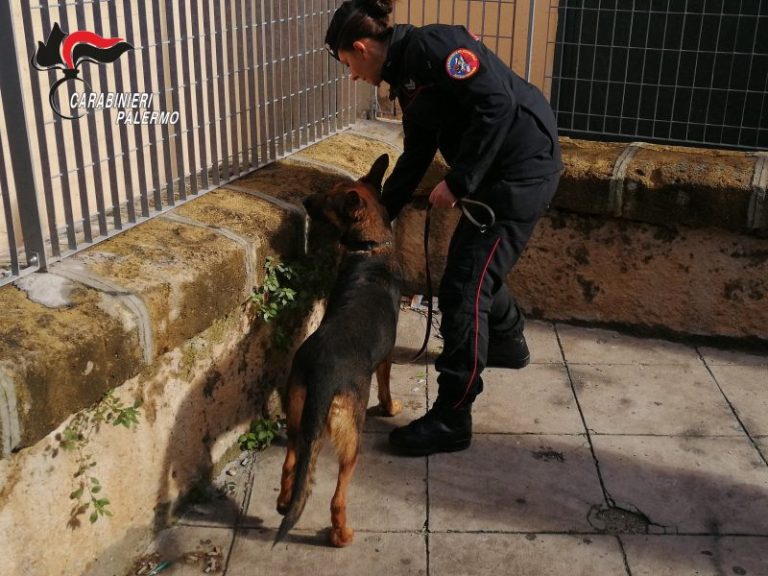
(499, 137)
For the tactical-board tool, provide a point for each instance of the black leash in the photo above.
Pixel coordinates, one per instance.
(462, 202)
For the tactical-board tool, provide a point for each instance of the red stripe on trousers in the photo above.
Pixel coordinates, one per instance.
(477, 321)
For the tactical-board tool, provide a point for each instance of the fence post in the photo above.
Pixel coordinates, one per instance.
(19, 146)
(529, 55)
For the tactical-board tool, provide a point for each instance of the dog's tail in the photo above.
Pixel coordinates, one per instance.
(313, 422)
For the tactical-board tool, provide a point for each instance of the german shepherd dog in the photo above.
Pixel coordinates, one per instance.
(330, 378)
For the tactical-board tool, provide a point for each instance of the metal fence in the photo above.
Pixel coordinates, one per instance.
(249, 83)
(520, 32)
(202, 92)
(691, 72)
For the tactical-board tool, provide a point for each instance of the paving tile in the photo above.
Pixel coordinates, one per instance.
(762, 446)
(224, 499)
(699, 555)
(524, 554)
(542, 342)
(746, 388)
(190, 549)
(659, 400)
(719, 357)
(408, 385)
(303, 553)
(514, 483)
(688, 485)
(411, 328)
(537, 400)
(387, 492)
(597, 346)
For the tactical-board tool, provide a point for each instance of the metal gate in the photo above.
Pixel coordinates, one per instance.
(118, 110)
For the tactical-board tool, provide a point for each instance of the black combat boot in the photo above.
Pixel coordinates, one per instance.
(441, 429)
(511, 352)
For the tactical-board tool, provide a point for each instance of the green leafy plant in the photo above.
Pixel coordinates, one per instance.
(260, 436)
(75, 438)
(288, 291)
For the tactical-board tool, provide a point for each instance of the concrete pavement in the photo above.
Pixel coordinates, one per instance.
(608, 455)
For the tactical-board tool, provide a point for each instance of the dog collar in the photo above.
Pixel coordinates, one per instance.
(364, 245)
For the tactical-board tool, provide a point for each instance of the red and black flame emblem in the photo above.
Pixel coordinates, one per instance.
(67, 52)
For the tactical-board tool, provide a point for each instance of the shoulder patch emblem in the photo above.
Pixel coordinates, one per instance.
(462, 64)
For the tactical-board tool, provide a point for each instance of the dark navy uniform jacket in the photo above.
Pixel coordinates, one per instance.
(460, 98)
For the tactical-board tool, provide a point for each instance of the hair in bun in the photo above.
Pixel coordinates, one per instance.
(375, 8)
(356, 19)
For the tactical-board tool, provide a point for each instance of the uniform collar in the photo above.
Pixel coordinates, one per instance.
(391, 72)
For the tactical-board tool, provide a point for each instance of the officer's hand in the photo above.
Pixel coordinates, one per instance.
(442, 197)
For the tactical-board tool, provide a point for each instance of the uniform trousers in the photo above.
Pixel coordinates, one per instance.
(475, 304)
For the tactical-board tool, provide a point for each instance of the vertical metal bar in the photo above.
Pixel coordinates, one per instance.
(110, 159)
(286, 57)
(45, 165)
(8, 211)
(531, 29)
(304, 48)
(189, 113)
(749, 76)
(253, 102)
(280, 68)
(324, 68)
(314, 62)
(231, 70)
(161, 38)
(221, 96)
(300, 75)
(333, 100)
(78, 145)
(261, 59)
(124, 144)
(695, 72)
(96, 183)
(513, 34)
(152, 144)
(729, 91)
(243, 74)
(176, 81)
(661, 68)
(210, 30)
(202, 80)
(144, 183)
(610, 69)
(677, 75)
(626, 68)
(712, 80)
(642, 77)
(482, 24)
(594, 63)
(15, 122)
(271, 109)
(576, 70)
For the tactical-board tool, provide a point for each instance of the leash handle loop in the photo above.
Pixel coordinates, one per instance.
(464, 202)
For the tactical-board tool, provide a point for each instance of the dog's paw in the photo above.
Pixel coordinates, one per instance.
(282, 507)
(388, 411)
(340, 537)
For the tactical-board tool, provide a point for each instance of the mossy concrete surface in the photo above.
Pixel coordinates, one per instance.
(161, 313)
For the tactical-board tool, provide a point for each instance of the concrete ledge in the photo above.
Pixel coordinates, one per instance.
(654, 238)
(158, 314)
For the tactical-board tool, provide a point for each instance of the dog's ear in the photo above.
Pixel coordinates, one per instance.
(353, 203)
(376, 174)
